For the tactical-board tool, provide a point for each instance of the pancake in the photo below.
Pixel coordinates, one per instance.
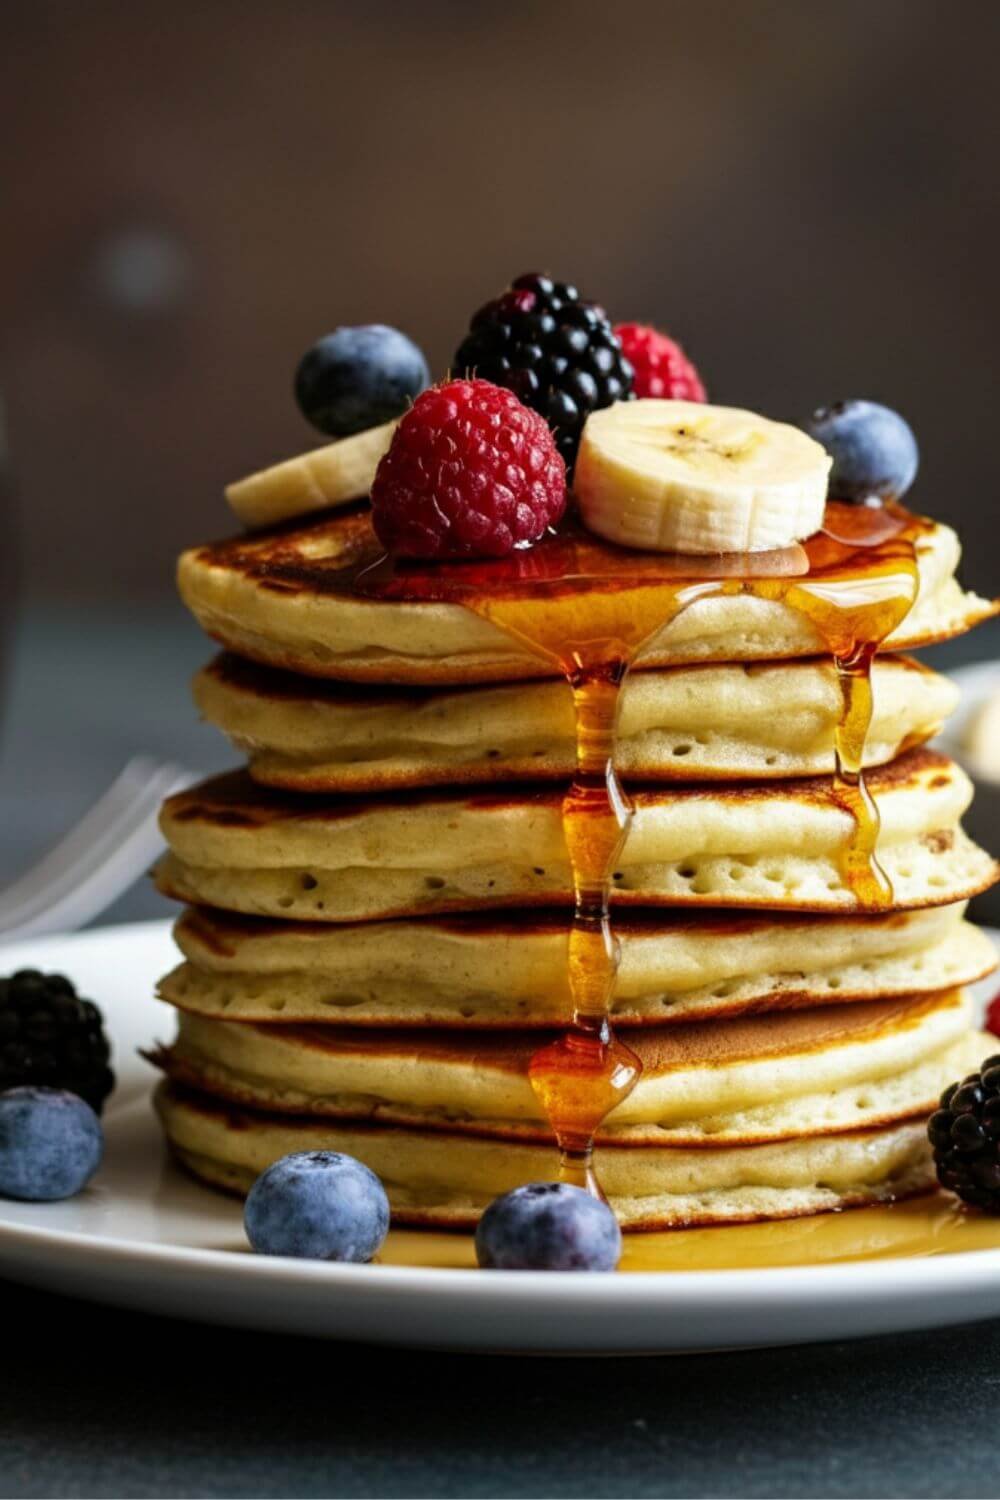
(237, 846)
(285, 597)
(764, 1077)
(692, 722)
(510, 970)
(437, 1178)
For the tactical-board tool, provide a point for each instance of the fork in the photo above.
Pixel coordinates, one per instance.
(111, 846)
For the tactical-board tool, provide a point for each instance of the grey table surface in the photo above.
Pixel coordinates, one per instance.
(95, 1402)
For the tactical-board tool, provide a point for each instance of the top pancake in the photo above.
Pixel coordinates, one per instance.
(286, 598)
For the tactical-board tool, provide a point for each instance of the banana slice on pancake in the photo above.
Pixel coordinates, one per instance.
(681, 476)
(330, 476)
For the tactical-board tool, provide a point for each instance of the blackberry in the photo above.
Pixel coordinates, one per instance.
(558, 354)
(52, 1038)
(965, 1137)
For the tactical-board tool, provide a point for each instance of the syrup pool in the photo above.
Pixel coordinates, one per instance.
(588, 609)
(933, 1224)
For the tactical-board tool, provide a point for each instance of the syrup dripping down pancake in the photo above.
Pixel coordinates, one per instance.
(445, 1180)
(288, 598)
(752, 722)
(240, 847)
(509, 970)
(766, 1077)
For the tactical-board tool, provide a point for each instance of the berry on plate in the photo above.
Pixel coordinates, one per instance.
(470, 472)
(661, 367)
(548, 1226)
(558, 354)
(992, 1021)
(49, 1036)
(965, 1137)
(874, 452)
(317, 1205)
(356, 378)
(51, 1144)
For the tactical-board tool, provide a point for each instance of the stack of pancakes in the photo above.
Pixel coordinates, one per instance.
(375, 938)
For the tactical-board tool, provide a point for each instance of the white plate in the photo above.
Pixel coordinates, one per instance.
(144, 1236)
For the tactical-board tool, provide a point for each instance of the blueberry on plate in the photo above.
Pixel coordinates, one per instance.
(874, 452)
(548, 1226)
(51, 1144)
(356, 378)
(317, 1205)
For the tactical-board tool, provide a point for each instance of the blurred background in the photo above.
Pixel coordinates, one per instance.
(804, 194)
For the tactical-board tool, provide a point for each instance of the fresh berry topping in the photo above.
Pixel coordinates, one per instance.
(662, 369)
(49, 1036)
(470, 473)
(559, 355)
(51, 1144)
(965, 1137)
(992, 1022)
(548, 1226)
(317, 1205)
(874, 452)
(356, 378)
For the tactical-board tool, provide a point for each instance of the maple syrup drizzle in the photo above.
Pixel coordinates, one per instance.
(588, 609)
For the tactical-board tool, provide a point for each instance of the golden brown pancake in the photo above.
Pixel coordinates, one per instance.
(440, 1178)
(510, 969)
(240, 847)
(719, 722)
(288, 598)
(763, 1077)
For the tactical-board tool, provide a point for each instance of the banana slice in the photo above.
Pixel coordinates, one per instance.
(681, 476)
(334, 475)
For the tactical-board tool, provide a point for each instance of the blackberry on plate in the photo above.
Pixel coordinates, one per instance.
(964, 1134)
(557, 353)
(50, 1037)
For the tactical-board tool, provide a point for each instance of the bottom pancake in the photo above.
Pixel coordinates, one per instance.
(436, 1179)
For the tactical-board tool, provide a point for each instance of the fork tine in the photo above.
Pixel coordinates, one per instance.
(89, 897)
(75, 860)
(100, 829)
(107, 850)
(97, 823)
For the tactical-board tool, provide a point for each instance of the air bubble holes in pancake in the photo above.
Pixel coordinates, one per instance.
(723, 991)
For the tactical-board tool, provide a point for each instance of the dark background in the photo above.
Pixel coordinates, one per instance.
(805, 193)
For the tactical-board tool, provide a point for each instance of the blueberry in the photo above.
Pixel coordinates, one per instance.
(548, 1226)
(317, 1205)
(359, 377)
(51, 1144)
(874, 452)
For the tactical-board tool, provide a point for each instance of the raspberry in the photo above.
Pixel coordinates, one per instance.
(557, 353)
(662, 369)
(470, 473)
(992, 1023)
